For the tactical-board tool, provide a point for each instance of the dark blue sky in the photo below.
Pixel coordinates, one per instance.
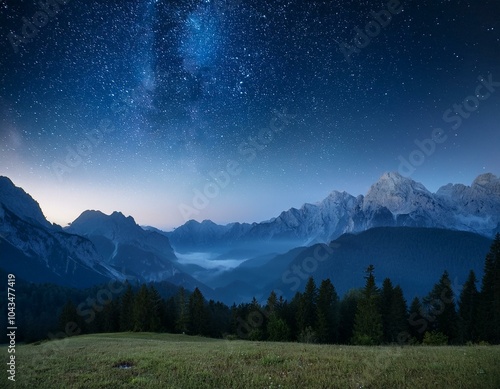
(237, 110)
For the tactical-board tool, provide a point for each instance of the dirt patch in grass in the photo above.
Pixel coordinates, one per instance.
(124, 365)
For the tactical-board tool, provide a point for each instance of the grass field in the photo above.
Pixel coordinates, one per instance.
(181, 361)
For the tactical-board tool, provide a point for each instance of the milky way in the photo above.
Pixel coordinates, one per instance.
(137, 105)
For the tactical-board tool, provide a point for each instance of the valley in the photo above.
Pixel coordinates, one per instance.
(399, 226)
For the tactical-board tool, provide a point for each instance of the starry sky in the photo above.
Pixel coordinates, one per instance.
(235, 110)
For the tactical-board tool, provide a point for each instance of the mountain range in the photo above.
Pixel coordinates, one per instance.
(393, 201)
(453, 228)
(124, 245)
(94, 249)
(34, 249)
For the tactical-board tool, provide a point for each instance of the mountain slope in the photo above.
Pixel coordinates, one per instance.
(415, 258)
(38, 251)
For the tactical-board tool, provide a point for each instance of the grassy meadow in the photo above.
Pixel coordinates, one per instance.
(146, 360)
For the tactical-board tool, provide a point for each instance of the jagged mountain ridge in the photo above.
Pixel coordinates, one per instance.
(98, 246)
(38, 251)
(207, 233)
(393, 201)
(123, 244)
(120, 229)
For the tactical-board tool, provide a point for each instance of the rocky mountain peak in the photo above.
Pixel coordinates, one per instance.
(485, 179)
(488, 182)
(21, 203)
(396, 193)
(114, 226)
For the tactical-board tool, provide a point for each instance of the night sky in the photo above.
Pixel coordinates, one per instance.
(140, 106)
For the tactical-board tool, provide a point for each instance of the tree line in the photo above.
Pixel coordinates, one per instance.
(367, 316)
(370, 315)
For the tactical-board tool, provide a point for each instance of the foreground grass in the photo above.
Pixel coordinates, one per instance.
(180, 361)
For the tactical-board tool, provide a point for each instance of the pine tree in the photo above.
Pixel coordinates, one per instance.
(289, 313)
(398, 325)
(495, 250)
(327, 313)
(468, 309)
(256, 321)
(277, 329)
(234, 324)
(486, 296)
(280, 306)
(157, 310)
(386, 297)
(368, 328)
(182, 316)
(417, 323)
(220, 319)
(126, 320)
(440, 307)
(198, 314)
(272, 300)
(111, 317)
(489, 304)
(348, 309)
(170, 315)
(69, 320)
(306, 315)
(142, 310)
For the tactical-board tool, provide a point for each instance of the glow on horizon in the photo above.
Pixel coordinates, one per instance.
(62, 204)
(264, 86)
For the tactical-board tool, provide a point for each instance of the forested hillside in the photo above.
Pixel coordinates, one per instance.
(367, 316)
